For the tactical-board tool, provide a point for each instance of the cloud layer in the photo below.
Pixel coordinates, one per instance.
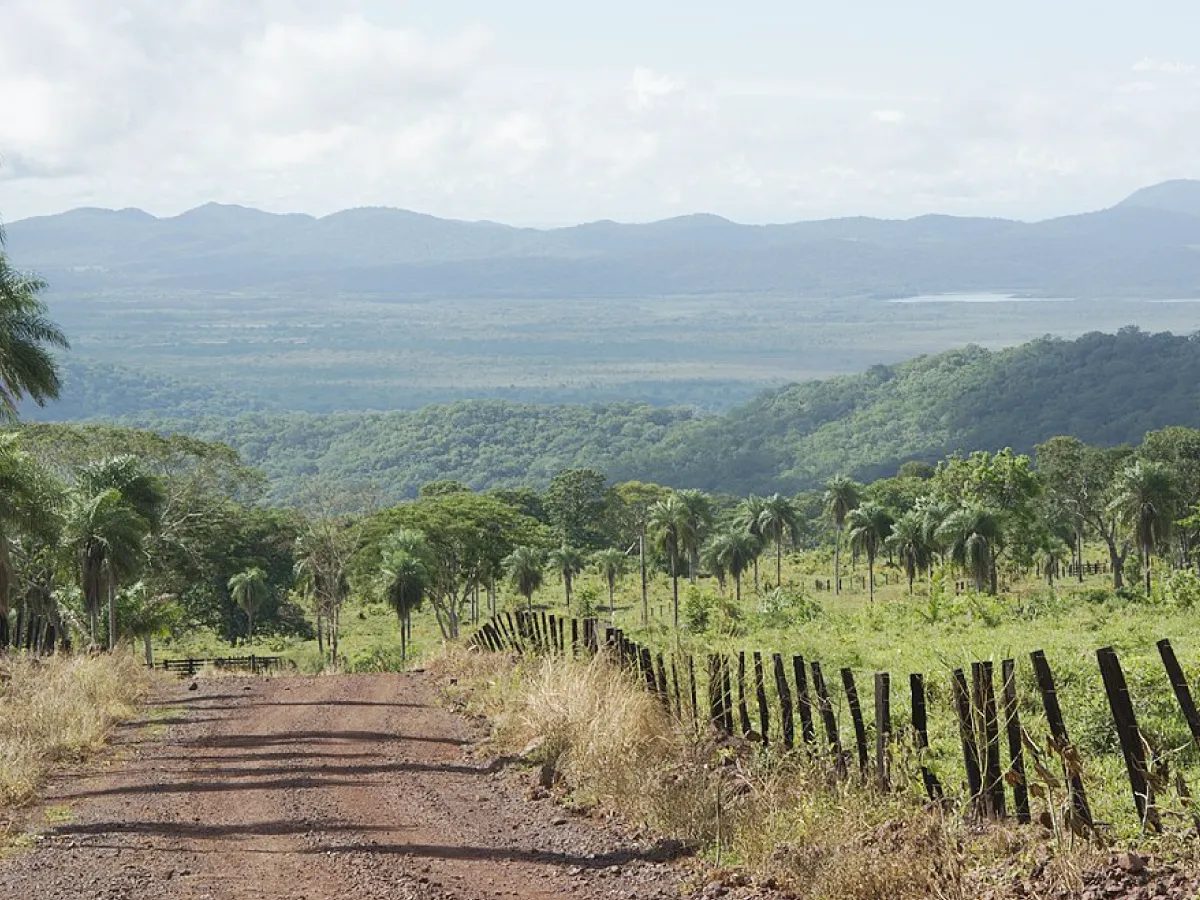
(288, 105)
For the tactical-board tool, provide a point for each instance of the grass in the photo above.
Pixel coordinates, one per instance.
(59, 709)
(779, 816)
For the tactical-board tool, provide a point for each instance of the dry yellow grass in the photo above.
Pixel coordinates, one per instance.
(57, 709)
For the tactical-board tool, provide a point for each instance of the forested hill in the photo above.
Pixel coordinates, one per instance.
(1101, 388)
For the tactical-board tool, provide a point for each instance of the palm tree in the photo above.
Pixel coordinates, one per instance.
(972, 536)
(30, 501)
(611, 564)
(568, 562)
(778, 518)
(524, 567)
(27, 367)
(1146, 499)
(870, 527)
(841, 496)
(1052, 552)
(106, 536)
(670, 524)
(714, 562)
(700, 517)
(150, 616)
(749, 516)
(249, 590)
(406, 577)
(734, 550)
(909, 540)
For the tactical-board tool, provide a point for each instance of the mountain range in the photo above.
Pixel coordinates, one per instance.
(1145, 246)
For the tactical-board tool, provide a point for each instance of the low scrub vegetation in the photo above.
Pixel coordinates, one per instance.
(57, 709)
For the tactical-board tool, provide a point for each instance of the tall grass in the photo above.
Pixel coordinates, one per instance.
(781, 816)
(57, 709)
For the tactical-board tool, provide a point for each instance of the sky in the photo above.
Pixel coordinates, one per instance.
(535, 112)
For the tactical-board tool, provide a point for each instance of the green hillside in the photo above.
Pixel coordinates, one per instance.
(1105, 389)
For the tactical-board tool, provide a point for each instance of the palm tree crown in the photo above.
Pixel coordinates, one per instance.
(524, 567)
(27, 366)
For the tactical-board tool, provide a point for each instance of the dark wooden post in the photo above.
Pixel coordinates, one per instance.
(803, 703)
(675, 690)
(547, 646)
(966, 732)
(760, 692)
(883, 727)
(920, 723)
(743, 711)
(691, 668)
(1132, 747)
(716, 690)
(825, 708)
(786, 720)
(726, 694)
(989, 731)
(647, 664)
(1016, 751)
(1179, 683)
(856, 716)
(574, 637)
(1058, 731)
(660, 670)
(554, 645)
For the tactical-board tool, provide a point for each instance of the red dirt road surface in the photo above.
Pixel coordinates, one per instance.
(359, 787)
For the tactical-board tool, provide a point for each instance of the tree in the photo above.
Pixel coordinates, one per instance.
(734, 549)
(568, 562)
(777, 519)
(972, 534)
(841, 496)
(611, 563)
(324, 548)
(749, 517)
(700, 517)
(1146, 498)
(29, 506)
(909, 540)
(575, 503)
(524, 567)
(27, 337)
(1052, 553)
(870, 526)
(249, 590)
(405, 578)
(149, 615)
(670, 523)
(630, 504)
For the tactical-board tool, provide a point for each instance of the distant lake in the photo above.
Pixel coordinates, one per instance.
(980, 298)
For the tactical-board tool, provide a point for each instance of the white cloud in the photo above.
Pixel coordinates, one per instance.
(295, 105)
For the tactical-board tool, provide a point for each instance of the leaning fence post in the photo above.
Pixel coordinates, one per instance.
(1179, 683)
(1058, 731)
(691, 670)
(966, 732)
(1016, 751)
(716, 706)
(856, 716)
(985, 706)
(803, 703)
(724, 667)
(786, 720)
(760, 691)
(1132, 746)
(916, 684)
(743, 712)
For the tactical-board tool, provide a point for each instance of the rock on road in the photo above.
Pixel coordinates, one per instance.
(316, 788)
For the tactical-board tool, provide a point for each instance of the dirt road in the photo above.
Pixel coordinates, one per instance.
(315, 788)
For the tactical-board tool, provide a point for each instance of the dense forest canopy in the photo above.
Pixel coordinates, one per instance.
(1102, 388)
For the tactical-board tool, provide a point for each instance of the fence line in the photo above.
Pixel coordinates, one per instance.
(252, 663)
(988, 720)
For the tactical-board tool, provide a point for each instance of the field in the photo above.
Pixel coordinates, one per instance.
(317, 353)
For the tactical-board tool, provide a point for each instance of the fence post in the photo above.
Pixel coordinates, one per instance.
(856, 716)
(691, 669)
(920, 722)
(1179, 683)
(1132, 747)
(716, 707)
(724, 667)
(1016, 751)
(760, 691)
(675, 689)
(826, 710)
(743, 712)
(966, 731)
(786, 720)
(989, 731)
(661, 673)
(803, 703)
(1058, 731)
(883, 726)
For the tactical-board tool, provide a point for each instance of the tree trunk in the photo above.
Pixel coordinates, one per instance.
(675, 588)
(567, 585)
(320, 633)
(612, 603)
(779, 561)
(149, 650)
(1146, 566)
(912, 574)
(403, 639)
(112, 612)
(737, 588)
(645, 594)
(756, 588)
(837, 563)
(1116, 560)
(1079, 551)
(871, 576)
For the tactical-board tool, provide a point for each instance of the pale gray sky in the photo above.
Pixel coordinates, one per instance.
(532, 111)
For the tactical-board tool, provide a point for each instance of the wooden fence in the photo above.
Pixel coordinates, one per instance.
(987, 715)
(253, 664)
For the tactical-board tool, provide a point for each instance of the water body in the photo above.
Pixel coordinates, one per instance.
(982, 298)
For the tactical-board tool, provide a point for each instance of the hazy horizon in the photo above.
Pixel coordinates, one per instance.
(542, 115)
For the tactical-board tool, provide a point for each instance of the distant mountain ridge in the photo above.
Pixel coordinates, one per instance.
(1144, 246)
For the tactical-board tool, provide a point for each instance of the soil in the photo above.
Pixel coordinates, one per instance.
(360, 787)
